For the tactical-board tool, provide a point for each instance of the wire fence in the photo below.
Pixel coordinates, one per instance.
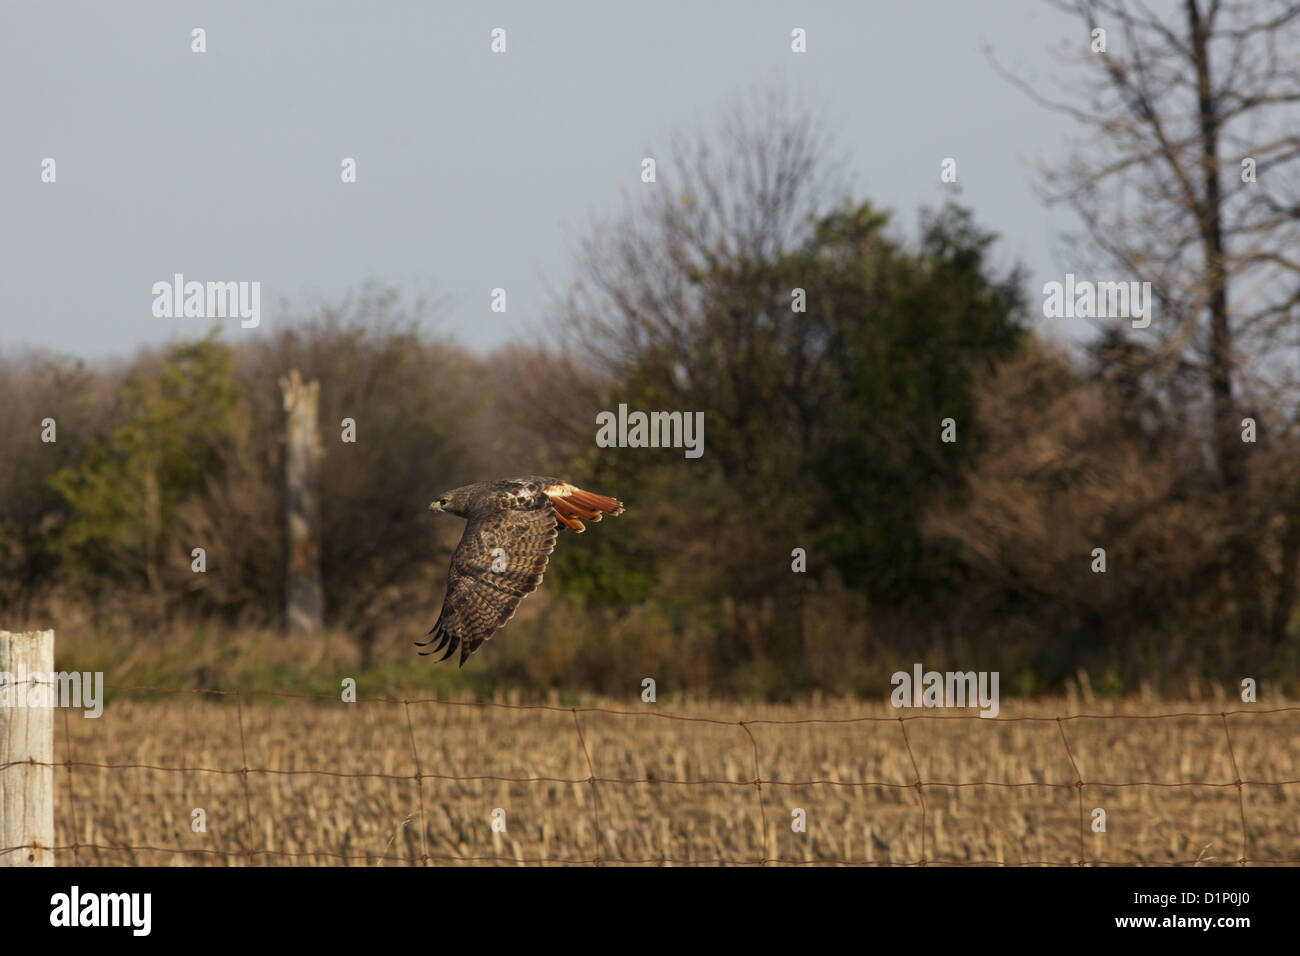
(762, 786)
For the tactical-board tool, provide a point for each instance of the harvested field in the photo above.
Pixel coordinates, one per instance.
(337, 783)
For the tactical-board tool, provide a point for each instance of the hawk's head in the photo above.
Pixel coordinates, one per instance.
(453, 502)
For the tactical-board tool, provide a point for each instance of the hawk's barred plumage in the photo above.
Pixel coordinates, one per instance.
(510, 533)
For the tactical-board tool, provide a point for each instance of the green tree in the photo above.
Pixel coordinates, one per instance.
(909, 332)
(122, 497)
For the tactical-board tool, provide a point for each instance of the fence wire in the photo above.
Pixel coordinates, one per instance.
(251, 856)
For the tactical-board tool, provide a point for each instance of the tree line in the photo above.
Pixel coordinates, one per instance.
(899, 464)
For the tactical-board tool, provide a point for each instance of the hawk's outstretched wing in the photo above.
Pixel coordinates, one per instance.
(499, 561)
(510, 534)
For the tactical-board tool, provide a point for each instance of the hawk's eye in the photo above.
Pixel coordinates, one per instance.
(442, 501)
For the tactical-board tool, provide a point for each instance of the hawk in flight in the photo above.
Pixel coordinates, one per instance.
(509, 535)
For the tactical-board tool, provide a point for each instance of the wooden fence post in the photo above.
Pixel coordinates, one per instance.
(304, 607)
(27, 749)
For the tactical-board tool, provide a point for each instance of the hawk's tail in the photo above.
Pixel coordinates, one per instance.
(579, 504)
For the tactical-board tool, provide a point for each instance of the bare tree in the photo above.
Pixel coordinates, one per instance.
(305, 597)
(681, 285)
(1187, 177)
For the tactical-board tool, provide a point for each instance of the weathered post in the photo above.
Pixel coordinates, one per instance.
(27, 748)
(304, 597)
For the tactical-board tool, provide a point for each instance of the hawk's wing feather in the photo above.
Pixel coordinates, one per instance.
(499, 562)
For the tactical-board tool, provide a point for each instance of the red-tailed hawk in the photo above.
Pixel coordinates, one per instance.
(510, 533)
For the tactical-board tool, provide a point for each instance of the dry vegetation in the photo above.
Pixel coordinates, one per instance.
(334, 783)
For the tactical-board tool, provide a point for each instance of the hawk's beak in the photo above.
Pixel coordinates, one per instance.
(433, 506)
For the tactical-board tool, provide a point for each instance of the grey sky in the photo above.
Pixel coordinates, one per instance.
(475, 169)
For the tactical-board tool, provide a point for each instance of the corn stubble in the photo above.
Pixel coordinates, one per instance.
(337, 784)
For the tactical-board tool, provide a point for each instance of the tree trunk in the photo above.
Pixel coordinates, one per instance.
(304, 597)
(1228, 447)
